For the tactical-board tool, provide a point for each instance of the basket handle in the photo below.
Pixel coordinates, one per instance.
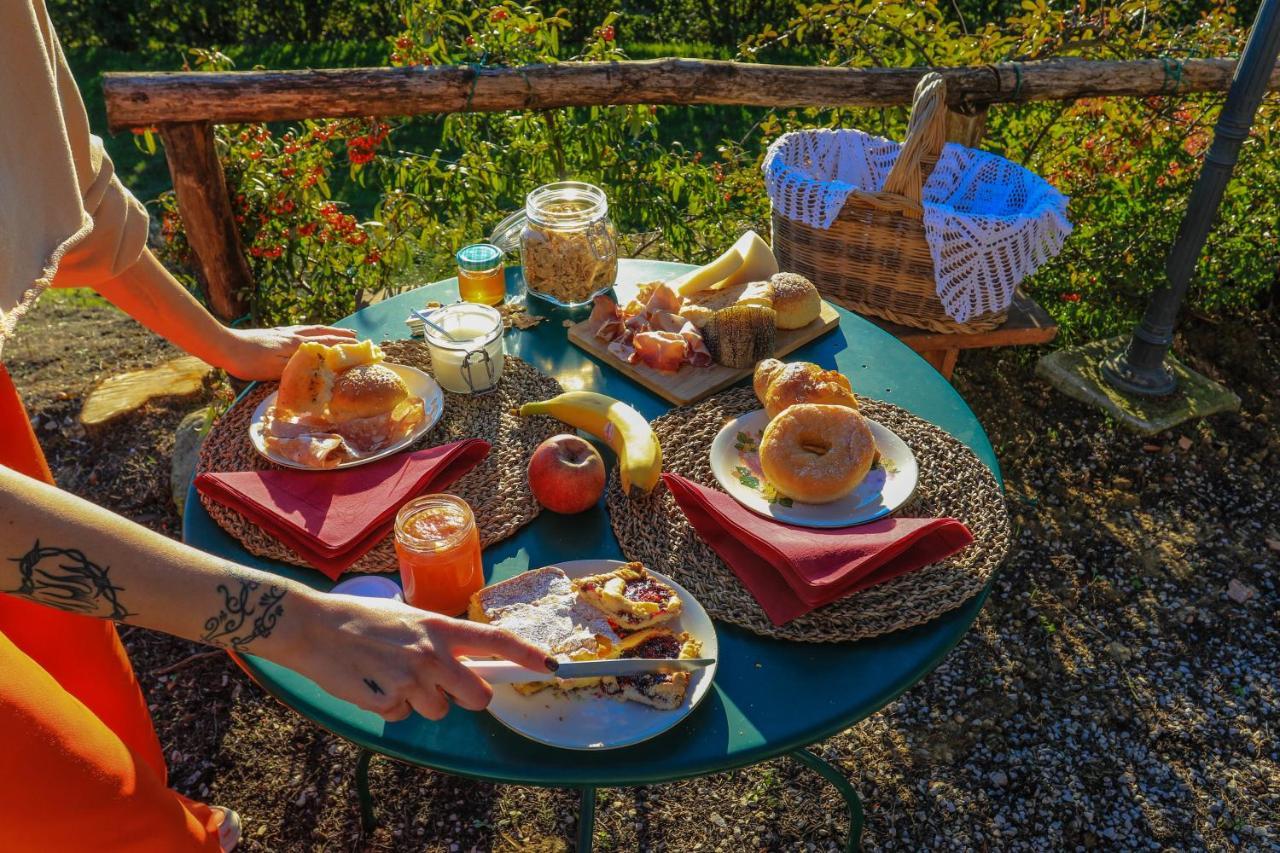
(926, 134)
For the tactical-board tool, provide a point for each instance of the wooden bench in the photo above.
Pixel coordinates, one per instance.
(1028, 323)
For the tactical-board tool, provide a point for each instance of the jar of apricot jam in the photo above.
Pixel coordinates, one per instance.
(439, 549)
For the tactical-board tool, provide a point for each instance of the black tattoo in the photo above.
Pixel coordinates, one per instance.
(373, 685)
(68, 580)
(228, 627)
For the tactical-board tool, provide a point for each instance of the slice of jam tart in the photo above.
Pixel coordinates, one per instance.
(630, 596)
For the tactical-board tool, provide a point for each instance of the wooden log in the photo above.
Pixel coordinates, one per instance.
(128, 392)
(142, 99)
(205, 207)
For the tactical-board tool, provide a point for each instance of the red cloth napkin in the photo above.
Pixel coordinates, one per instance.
(332, 518)
(793, 570)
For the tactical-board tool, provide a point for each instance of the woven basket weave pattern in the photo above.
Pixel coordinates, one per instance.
(874, 259)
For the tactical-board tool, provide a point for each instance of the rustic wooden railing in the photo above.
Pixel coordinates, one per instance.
(185, 106)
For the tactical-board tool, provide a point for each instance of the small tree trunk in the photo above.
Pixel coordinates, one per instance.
(205, 207)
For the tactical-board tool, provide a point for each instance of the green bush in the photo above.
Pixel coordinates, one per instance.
(685, 181)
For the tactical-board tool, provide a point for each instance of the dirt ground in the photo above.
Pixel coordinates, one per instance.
(1111, 695)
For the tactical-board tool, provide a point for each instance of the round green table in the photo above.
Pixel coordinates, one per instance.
(770, 697)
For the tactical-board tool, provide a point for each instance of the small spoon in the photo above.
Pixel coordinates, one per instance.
(423, 315)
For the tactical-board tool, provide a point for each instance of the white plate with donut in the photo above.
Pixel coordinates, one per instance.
(735, 462)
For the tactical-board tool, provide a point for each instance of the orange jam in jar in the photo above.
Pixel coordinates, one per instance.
(481, 277)
(439, 549)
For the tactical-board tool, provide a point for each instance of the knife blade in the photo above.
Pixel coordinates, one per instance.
(506, 672)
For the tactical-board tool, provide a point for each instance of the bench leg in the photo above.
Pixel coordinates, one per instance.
(943, 360)
(587, 820)
(836, 778)
(368, 820)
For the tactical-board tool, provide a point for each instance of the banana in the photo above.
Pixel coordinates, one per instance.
(617, 425)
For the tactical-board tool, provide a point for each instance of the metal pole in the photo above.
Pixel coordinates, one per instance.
(1140, 369)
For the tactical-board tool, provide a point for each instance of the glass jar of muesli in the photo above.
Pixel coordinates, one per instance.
(567, 242)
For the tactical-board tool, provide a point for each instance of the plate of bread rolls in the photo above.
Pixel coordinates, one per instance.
(809, 457)
(343, 405)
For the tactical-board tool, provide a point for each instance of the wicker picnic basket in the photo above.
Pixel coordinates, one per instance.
(874, 258)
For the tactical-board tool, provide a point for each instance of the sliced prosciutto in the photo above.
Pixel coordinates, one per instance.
(649, 329)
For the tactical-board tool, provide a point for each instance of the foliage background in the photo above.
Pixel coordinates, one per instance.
(337, 212)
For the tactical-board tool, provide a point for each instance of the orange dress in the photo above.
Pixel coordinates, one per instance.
(80, 765)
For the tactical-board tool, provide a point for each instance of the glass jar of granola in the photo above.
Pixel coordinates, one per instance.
(567, 242)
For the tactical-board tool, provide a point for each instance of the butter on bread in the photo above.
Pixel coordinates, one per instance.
(524, 588)
(542, 607)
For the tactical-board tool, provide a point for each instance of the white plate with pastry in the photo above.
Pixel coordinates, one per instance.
(577, 610)
(342, 406)
(736, 464)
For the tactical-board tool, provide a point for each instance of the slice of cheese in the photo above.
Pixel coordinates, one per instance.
(749, 259)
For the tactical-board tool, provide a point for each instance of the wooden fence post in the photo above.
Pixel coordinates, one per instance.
(967, 127)
(205, 207)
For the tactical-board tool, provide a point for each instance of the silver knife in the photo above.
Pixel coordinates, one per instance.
(506, 672)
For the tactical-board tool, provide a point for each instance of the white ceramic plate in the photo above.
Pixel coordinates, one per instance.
(419, 385)
(369, 586)
(583, 719)
(735, 463)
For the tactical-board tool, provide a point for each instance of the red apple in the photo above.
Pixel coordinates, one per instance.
(566, 474)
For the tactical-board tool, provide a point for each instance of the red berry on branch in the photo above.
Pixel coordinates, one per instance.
(498, 14)
(469, 41)
(607, 33)
(404, 42)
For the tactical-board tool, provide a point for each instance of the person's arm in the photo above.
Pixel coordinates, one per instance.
(64, 552)
(147, 292)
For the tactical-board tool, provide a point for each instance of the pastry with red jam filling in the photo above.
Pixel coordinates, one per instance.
(664, 691)
(630, 596)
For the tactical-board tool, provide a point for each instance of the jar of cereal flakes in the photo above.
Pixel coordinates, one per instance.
(567, 242)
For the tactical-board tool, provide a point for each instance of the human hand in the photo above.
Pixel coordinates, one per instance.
(389, 658)
(263, 353)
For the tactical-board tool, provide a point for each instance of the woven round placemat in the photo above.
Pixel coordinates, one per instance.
(497, 488)
(953, 482)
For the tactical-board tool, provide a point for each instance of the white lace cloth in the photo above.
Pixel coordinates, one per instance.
(989, 223)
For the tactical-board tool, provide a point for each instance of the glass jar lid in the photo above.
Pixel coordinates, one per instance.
(470, 325)
(564, 205)
(478, 257)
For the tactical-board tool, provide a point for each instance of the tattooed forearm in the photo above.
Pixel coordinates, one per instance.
(232, 628)
(68, 580)
(374, 686)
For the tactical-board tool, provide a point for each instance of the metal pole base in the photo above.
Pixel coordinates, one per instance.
(1122, 375)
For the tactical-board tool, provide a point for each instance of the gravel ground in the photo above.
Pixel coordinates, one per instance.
(1120, 689)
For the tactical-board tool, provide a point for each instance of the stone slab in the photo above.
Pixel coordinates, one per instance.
(1075, 372)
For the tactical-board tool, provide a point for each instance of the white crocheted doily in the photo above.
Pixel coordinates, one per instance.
(989, 223)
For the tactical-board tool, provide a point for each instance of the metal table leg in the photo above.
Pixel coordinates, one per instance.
(836, 778)
(586, 820)
(368, 820)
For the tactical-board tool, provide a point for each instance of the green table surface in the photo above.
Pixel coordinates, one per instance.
(769, 696)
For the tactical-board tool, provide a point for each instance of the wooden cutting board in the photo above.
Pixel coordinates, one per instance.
(690, 384)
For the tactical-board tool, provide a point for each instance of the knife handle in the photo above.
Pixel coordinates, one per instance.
(505, 672)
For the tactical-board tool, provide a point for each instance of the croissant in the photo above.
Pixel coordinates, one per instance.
(779, 385)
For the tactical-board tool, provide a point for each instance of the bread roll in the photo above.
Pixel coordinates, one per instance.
(306, 382)
(365, 391)
(817, 453)
(779, 385)
(795, 299)
(766, 371)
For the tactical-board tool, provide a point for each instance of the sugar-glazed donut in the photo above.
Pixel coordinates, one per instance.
(817, 453)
